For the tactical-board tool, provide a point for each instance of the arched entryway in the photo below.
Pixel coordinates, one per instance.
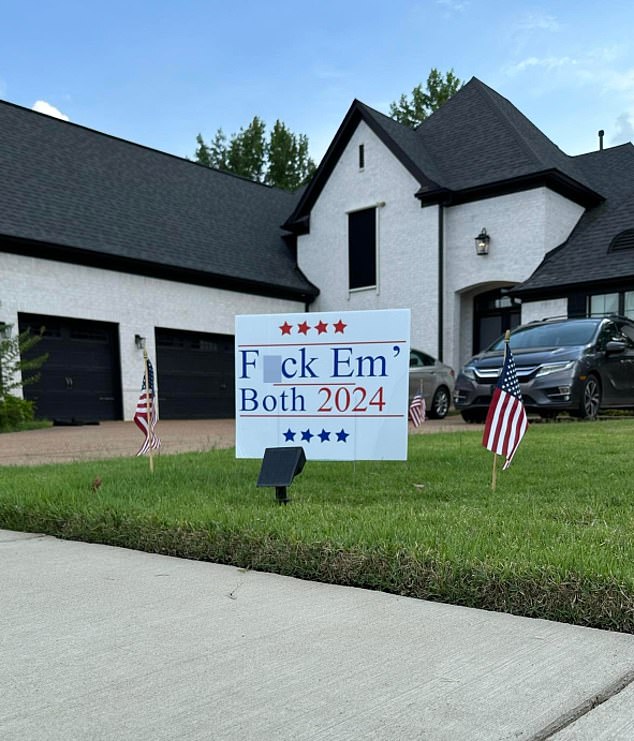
(493, 313)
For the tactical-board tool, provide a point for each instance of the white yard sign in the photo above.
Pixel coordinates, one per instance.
(335, 384)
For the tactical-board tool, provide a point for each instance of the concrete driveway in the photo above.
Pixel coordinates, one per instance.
(114, 439)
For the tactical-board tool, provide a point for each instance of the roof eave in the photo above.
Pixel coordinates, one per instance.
(118, 263)
(553, 179)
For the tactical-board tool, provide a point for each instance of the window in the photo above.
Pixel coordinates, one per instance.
(623, 241)
(362, 249)
(418, 359)
(604, 305)
(628, 304)
(361, 156)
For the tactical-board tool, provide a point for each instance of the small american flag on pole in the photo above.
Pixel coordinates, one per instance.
(506, 420)
(417, 410)
(146, 415)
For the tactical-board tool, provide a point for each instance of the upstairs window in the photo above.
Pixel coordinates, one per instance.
(361, 156)
(362, 249)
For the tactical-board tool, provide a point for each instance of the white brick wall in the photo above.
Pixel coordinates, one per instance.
(407, 274)
(523, 227)
(135, 303)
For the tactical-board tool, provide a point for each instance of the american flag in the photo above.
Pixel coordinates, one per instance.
(417, 410)
(506, 420)
(146, 405)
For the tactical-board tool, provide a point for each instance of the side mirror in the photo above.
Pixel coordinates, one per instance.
(615, 346)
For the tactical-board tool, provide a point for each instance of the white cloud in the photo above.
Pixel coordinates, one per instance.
(453, 5)
(41, 106)
(548, 63)
(537, 22)
(624, 129)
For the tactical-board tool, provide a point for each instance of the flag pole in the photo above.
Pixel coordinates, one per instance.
(147, 406)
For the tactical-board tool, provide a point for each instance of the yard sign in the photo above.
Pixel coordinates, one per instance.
(335, 384)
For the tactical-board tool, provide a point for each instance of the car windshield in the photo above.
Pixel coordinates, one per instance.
(559, 334)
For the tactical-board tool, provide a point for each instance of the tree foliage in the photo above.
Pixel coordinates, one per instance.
(422, 102)
(281, 160)
(18, 365)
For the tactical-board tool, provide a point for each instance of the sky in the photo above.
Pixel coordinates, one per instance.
(158, 73)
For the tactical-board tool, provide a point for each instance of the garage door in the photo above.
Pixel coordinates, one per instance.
(81, 378)
(195, 375)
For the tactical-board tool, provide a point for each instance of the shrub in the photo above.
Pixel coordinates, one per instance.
(15, 412)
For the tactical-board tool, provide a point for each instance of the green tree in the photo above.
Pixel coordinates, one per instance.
(246, 152)
(288, 163)
(282, 160)
(413, 110)
(18, 365)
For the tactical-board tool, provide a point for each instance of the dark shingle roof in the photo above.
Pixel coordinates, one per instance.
(67, 187)
(476, 145)
(478, 137)
(585, 257)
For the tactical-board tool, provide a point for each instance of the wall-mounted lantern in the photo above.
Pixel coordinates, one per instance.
(482, 243)
(139, 342)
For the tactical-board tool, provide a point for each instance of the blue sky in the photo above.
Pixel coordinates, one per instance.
(159, 72)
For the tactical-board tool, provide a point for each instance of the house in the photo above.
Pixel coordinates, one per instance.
(103, 241)
(409, 203)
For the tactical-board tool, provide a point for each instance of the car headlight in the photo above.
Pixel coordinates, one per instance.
(549, 368)
(469, 372)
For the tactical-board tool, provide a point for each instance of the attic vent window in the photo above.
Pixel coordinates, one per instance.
(361, 156)
(623, 241)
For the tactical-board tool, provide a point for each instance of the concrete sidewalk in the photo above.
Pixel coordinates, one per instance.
(105, 643)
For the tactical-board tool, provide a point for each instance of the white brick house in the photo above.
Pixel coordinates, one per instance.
(105, 242)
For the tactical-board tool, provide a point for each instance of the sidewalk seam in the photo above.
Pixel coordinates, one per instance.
(584, 708)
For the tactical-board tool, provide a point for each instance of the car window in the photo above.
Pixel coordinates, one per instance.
(415, 360)
(418, 359)
(557, 334)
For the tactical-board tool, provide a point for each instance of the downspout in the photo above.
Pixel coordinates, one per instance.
(441, 277)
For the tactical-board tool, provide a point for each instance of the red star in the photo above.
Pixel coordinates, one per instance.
(286, 328)
(303, 328)
(321, 327)
(339, 326)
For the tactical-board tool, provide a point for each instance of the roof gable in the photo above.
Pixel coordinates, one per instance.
(476, 145)
(400, 140)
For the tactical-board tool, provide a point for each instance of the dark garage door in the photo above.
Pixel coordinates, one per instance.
(81, 378)
(195, 375)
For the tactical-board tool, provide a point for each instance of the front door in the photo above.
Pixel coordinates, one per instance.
(493, 313)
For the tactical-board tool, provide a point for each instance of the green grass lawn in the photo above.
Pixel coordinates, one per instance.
(555, 540)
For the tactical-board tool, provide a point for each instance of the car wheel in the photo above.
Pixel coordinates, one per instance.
(590, 399)
(474, 416)
(440, 403)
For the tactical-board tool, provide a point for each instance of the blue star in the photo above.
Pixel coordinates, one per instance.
(306, 435)
(342, 435)
(289, 436)
(323, 435)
